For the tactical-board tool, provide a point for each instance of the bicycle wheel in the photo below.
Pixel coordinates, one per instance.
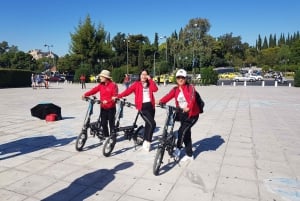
(80, 141)
(158, 160)
(109, 145)
(138, 135)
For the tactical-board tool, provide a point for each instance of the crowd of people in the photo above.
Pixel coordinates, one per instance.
(144, 89)
(38, 81)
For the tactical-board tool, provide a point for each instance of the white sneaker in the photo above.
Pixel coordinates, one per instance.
(187, 158)
(146, 145)
(176, 154)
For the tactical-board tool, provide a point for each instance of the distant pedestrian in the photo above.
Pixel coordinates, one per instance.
(33, 81)
(82, 81)
(126, 81)
(47, 81)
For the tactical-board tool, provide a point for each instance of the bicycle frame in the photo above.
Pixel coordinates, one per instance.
(130, 132)
(90, 111)
(167, 142)
(119, 115)
(94, 127)
(168, 129)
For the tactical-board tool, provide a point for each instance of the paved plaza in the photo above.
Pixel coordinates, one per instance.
(246, 147)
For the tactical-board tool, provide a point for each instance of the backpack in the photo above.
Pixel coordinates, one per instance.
(199, 101)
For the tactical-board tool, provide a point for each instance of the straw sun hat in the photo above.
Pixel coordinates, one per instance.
(105, 73)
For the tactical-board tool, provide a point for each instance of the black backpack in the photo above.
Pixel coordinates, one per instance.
(199, 101)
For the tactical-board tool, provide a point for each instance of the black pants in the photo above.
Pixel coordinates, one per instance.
(184, 132)
(108, 116)
(148, 113)
(83, 85)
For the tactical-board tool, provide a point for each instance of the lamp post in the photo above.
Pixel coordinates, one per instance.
(127, 41)
(154, 64)
(193, 64)
(166, 46)
(49, 50)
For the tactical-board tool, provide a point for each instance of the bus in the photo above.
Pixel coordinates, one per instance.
(221, 70)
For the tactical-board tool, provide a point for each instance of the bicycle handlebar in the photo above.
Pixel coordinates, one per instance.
(165, 106)
(124, 102)
(93, 99)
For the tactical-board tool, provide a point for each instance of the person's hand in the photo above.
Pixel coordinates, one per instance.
(148, 77)
(104, 102)
(157, 102)
(186, 109)
(83, 97)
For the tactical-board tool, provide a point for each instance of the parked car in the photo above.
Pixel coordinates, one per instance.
(70, 78)
(163, 77)
(56, 78)
(243, 78)
(133, 77)
(227, 75)
(257, 77)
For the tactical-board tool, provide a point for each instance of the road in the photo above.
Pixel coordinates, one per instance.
(267, 82)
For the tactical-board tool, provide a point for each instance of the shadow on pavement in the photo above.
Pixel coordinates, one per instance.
(208, 144)
(87, 185)
(63, 118)
(31, 144)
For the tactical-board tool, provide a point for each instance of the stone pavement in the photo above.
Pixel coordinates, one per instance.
(246, 147)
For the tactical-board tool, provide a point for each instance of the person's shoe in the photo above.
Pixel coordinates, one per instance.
(187, 158)
(176, 154)
(146, 146)
(149, 147)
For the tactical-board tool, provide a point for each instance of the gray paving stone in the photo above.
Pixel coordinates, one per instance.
(246, 147)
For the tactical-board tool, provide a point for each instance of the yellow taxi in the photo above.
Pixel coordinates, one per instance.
(162, 78)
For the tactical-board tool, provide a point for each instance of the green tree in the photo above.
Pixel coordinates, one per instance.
(268, 56)
(259, 43)
(3, 47)
(91, 45)
(265, 44)
(297, 78)
(295, 52)
(209, 76)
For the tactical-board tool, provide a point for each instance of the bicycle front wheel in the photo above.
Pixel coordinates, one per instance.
(158, 160)
(109, 145)
(81, 140)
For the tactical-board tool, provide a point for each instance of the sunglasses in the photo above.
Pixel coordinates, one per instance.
(180, 77)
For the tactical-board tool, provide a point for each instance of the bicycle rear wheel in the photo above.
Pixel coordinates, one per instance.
(109, 145)
(81, 140)
(158, 160)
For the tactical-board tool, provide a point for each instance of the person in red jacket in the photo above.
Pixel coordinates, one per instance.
(107, 89)
(143, 89)
(82, 81)
(184, 99)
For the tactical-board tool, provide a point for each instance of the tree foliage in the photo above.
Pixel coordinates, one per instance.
(191, 48)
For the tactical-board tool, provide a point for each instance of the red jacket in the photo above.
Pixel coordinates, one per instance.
(189, 97)
(137, 89)
(107, 91)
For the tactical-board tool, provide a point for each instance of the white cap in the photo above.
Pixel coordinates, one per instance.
(181, 72)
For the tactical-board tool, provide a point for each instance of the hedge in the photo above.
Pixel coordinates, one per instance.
(10, 78)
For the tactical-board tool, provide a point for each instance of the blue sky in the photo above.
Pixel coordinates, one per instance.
(31, 24)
